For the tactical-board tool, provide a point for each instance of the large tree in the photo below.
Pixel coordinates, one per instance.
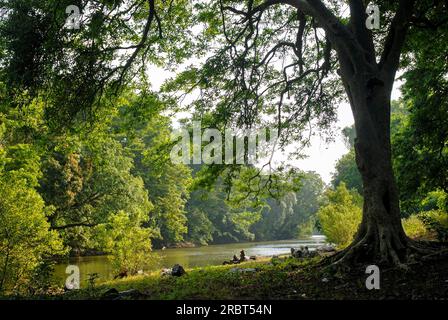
(287, 59)
(282, 58)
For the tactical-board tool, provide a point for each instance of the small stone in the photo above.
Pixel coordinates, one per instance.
(325, 280)
(166, 272)
(178, 271)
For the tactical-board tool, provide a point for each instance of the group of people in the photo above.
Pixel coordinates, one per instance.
(236, 260)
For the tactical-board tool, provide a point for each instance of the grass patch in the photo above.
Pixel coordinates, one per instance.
(213, 282)
(282, 278)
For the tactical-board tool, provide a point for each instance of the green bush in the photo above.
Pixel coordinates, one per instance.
(25, 238)
(414, 227)
(340, 218)
(128, 243)
(437, 222)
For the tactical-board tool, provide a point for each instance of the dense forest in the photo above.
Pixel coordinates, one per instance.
(86, 135)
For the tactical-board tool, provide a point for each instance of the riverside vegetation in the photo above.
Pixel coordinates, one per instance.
(85, 141)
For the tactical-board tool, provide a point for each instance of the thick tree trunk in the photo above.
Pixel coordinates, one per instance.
(380, 238)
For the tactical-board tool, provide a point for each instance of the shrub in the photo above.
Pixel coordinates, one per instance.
(128, 243)
(340, 218)
(437, 222)
(414, 227)
(25, 238)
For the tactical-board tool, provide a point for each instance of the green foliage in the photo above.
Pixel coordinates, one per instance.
(346, 169)
(212, 282)
(341, 216)
(349, 134)
(42, 281)
(200, 228)
(294, 214)
(435, 200)
(75, 68)
(347, 172)
(437, 222)
(149, 141)
(420, 146)
(414, 227)
(25, 238)
(211, 216)
(92, 280)
(84, 145)
(128, 243)
(88, 185)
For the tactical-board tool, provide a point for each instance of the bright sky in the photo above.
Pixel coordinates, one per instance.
(322, 156)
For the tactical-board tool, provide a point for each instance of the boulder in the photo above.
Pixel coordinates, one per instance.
(326, 248)
(130, 294)
(113, 294)
(303, 252)
(110, 294)
(178, 271)
(296, 253)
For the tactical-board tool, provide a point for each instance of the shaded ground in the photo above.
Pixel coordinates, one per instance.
(286, 278)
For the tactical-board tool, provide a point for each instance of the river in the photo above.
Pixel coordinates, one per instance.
(188, 257)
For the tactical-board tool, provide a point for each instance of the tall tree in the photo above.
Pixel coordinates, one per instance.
(287, 58)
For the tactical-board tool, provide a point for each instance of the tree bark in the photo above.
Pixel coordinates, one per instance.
(380, 238)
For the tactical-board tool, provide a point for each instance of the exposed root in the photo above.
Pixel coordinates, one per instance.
(384, 254)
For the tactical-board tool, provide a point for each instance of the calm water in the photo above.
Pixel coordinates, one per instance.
(189, 257)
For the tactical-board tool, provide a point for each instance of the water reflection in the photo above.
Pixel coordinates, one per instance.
(189, 257)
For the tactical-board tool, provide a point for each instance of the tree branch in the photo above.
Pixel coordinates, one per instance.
(72, 225)
(139, 46)
(395, 39)
(358, 18)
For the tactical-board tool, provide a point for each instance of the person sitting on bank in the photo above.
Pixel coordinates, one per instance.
(242, 256)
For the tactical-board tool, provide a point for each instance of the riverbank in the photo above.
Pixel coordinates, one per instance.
(277, 278)
(187, 257)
